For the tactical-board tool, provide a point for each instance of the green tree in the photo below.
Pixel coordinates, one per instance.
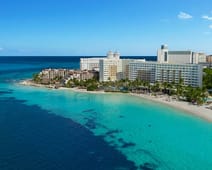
(36, 78)
(207, 78)
(69, 84)
(92, 87)
(180, 88)
(196, 95)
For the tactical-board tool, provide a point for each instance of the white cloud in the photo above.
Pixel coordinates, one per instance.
(207, 17)
(183, 15)
(210, 26)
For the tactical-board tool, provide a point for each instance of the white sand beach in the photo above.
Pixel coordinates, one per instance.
(29, 82)
(200, 111)
(83, 90)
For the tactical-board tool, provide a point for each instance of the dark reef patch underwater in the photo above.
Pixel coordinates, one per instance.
(32, 138)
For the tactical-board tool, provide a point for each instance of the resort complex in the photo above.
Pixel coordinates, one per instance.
(171, 66)
(60, 77)
(175, 73)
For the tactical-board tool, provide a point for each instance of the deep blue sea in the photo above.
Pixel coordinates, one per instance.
(33, 138)
(49, 129)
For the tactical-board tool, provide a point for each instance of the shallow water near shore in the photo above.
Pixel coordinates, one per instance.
(149, 134)
(131, 133)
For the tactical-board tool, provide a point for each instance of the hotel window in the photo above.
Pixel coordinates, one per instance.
(165, 56)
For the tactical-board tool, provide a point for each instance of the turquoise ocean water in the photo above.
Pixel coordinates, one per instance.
(150, 135)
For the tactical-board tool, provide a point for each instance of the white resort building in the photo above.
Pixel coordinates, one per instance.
(171, 66)
(89, 63)
(93, 63)
(191, 74)
(179, 57)
(111, 68)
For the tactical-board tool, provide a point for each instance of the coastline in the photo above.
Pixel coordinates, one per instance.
(28, 82)
(199, 111)
(82, 90)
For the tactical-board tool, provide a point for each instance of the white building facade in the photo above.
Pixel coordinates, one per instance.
(115, 69)
(142, 70)
(179, 57)
(89, 63)
(93, 63)
(109, 69)
(191, 74)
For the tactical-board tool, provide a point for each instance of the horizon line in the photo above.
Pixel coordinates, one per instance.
(74, 56)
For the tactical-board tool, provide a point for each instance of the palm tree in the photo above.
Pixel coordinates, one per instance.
(180, 88)
(170, 88)
(196, 95)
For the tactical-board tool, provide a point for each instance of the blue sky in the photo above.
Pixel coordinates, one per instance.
(92, 27)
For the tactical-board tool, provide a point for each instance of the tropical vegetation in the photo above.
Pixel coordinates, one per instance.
(207, 78)
(194, 95)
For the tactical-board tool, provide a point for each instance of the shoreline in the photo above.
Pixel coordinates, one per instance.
(82, 90)
(198, 111)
